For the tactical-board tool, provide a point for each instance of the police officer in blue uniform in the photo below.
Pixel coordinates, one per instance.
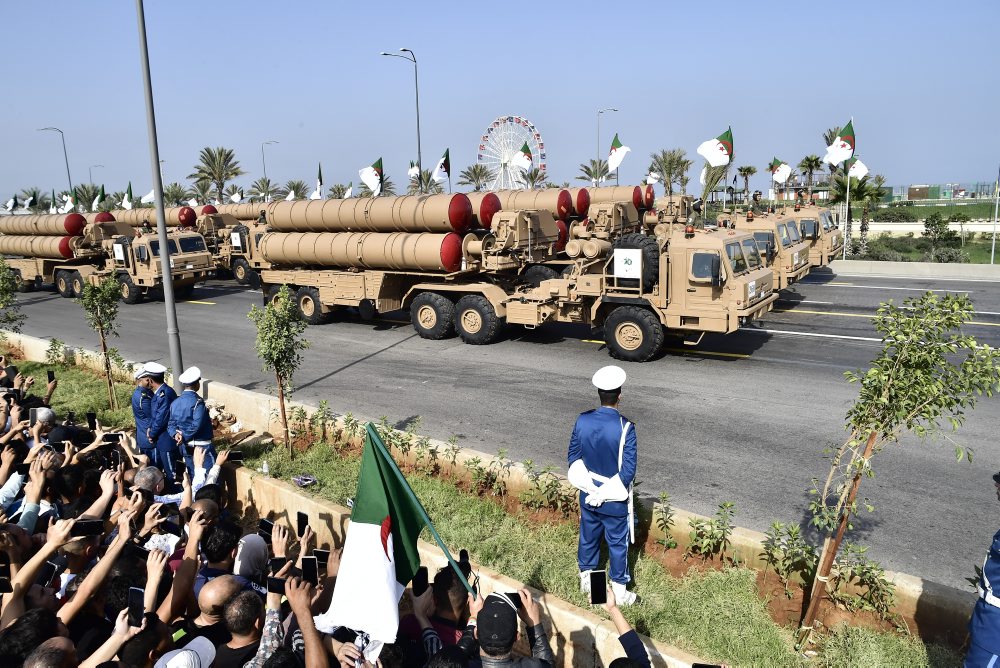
(142, 410)
(984, 627)
(156, 434)
(189, 425)
(602, 463)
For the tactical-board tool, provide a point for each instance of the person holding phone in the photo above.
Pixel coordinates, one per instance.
(142, 409)
(602, 463)
(156, 434)
(190, 425)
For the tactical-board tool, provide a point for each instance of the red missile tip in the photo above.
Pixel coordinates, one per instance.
(451, 250)
(104, 217)
(564, 204)
(74, 224)
(650, 196)
(186, 217)
(563, 235)
(582, 203)
(460, 214)
(207, 209)
(637, 197)
(488, 208)
(65, 247)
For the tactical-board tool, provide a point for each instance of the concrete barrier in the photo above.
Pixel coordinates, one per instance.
(946, 270)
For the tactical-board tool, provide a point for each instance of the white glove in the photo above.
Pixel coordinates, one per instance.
(592, 499)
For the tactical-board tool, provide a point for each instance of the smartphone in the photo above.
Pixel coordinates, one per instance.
(189, 449)
(22, 469)
(515, 599)
(179, 468)
(5, 587)
(113, 438)
(322, 557)
(135, 606)
(310, 570)
(71, 417)
(264, 529)
(235, 457)
(172, 529)
(303, 522)
(419, 583)
(275, 564)
(32, 416)
(275, 585)
(51, 375)
(116, 459)
(87, 528)
(45, 575)
(463, 555)
(92, 421)
(598, 587)
(137, 551)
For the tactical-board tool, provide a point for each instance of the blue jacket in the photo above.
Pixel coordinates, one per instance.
(595, 440)
(189, 416)
(162, 398)
(142, 409)
(984, 626)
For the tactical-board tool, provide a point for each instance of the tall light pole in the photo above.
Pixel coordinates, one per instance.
(90, 172)
(599, 112)
(262, 160)
(173, 332)
(416, 90)
(69, 179)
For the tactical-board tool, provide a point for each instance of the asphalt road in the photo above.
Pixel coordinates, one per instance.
(743, 418)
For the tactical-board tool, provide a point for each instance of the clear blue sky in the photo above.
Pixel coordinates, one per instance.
(919, 78)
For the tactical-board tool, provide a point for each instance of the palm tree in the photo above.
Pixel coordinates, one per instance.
(430, 186)
(809, 166)
(174, 194)
(40, 201)
(870, 200)
(217, 165)
(533, 178)
(388, 188)
(114, 201)
(866, 192)
(595, 172)
(337, 191)
(298, 188)
(478, 176)
(202, 191)
(669, 164)
(712, 177)
(233, 189)
(86, 193)
(264, 190)
(683, 181)
(745, 173)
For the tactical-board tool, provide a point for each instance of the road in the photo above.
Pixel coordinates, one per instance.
(742, 418)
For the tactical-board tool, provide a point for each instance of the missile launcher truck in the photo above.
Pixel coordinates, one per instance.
(826, 241)
(779, 239)
(67, 251)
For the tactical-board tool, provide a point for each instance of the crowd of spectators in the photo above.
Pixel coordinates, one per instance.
(105, 560)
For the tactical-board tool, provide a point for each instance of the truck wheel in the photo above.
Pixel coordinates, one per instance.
(253, 279)
(432, 315)
(650, 259)
(476, 321)
(130, 294)
(536, 273)
(64, 284)
(272, 293)
(76, 281)
(21, 284)
(241, 271)
(633, 334)
(310, 307)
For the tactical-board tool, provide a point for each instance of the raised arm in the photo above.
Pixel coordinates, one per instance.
(95, 579)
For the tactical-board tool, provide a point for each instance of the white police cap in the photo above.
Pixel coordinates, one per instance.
(190, 375)
(153, 369)
(609, 378)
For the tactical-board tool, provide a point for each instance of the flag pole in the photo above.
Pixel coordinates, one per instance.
(847, 215)
(376, 441)
(996, 206)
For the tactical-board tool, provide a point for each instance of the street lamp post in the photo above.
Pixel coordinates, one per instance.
(69, 179)
(262, 160)
(90, 172)
(416, 90)
(173, 332)
(599, 112)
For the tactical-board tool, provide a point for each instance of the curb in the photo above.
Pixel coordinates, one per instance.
(947, 270)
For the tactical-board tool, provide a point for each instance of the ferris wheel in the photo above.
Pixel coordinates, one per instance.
(500, 148)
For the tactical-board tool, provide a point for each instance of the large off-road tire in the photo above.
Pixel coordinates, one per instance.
(271, 293)
(432, 315)
(64, 283)
(130, 294)
(650, 259)
(536, 273)
(76, 281)
(633, 334)
(22, 285)
(310, 307)
(476, 321)
(241, 271)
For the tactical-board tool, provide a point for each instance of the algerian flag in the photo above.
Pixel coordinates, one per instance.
(12, 203)
(148, 197)
(318, 193)
(617, 154)
(127, 202)
(780, 171)
(718, 151)
(652, 178)
(414, 171)
(842, 148)
(522, 158)
(372, 177)
(380, 549)
(856, 168)
(443, 169)
(27, 204)
(350, 190)
(52, 203)
(192, 202)
(703, 175)
(290, 196)
(97, 200)
(236, 197)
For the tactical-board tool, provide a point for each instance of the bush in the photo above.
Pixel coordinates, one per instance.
(882, 254)
(895, 214)
(949, 255)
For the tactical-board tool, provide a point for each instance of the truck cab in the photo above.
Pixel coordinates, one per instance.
(237, 246)
(135, 264)
(826, 241)
(780, 240)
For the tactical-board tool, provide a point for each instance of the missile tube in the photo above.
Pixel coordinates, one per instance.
(484, 207)
(50, 248)
(56, 225)
(555, 200)
(364, 250)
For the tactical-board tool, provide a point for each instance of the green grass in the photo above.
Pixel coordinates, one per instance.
(717, 615)
(82, 391)
(975, 210)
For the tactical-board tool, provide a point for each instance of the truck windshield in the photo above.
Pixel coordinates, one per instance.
(783, 233)
(154, 247)
(701, 265)
(809, 227)
(793, 231)
(751, 253)
(735, 253)
(192, 245)
(825, 217)
(764, 240)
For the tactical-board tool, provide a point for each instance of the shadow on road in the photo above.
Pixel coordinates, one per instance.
(357, 361)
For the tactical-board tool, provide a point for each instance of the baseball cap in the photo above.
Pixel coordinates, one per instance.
(199, 653)
(497, 621)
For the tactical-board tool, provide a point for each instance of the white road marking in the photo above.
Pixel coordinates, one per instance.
(810, 334)
(877, 287)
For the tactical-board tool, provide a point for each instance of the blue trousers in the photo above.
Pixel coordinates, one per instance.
(614, 530)
(209, 458)
(980, 658)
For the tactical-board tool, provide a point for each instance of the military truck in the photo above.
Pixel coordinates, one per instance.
(96, 251)
(233, 245)
(780, 240)
(826, 241)
(638, 285)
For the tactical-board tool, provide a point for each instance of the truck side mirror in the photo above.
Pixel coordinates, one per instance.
(716, 271)
(771, 253)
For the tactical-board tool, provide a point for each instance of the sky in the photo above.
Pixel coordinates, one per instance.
(919, 79)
